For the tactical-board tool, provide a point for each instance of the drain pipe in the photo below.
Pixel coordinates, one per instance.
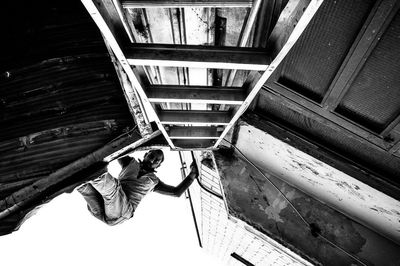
(21, 198)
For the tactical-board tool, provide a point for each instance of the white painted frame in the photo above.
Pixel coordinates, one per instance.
(112, 41)
(295, 35)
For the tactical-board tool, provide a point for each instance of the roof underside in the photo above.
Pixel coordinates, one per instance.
(60, 98)
(338, 88)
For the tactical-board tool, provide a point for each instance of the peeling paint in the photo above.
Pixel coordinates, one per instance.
(350, 189)
(306, 167)
(331, 186)
(251, 198)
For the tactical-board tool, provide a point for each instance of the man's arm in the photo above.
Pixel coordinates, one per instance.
(181, 188)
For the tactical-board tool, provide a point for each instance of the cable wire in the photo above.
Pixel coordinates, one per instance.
(315, 231)
(209, 190)
(201, 184)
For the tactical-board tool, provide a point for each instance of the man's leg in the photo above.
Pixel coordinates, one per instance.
(117, 207)
(93, 199)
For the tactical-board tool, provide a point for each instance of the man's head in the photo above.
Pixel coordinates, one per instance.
(153, 159)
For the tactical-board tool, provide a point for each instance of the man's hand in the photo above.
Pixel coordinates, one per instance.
(194, 170)
(177, 191)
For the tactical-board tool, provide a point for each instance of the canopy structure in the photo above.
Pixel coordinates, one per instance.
(307, 90)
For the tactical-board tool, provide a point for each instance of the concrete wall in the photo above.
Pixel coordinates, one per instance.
(253, 199)
(223, 235)
(340, 191)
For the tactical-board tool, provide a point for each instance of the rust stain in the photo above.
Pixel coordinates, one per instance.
(349, 189)
(382, 210)
(319, 163)
(266, 200)
(337, 228)
(396, 212)
(262, 207)
(306, 167)
(311, 181)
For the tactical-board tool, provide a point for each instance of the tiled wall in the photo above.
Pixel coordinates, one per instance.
(222, 236)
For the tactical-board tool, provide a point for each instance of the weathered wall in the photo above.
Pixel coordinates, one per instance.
(340, 191)
(223, 235)
(254, 200)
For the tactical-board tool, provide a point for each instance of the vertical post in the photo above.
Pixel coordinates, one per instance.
(190, 200)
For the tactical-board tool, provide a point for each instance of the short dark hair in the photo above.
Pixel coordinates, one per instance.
(158, 151)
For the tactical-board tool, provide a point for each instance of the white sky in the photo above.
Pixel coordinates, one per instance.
(63, 232)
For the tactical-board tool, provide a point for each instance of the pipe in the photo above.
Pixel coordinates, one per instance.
(24, 196)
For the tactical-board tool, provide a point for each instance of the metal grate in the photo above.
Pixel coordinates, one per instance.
(317, 56)
(375, 102)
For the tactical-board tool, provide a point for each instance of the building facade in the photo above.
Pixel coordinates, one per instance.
(227, 238)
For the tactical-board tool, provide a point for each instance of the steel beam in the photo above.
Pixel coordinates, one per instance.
(184, 117)
(195, 94)
(197, 56)
(185, 3)
(192, 144)
(180, 132)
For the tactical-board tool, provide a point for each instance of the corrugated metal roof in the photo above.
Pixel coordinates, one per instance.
(60, 97)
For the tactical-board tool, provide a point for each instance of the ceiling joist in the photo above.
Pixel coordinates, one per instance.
(291, 35)
(185, 3)
(183, 117)
(198, 56)
(196, 94)
(182, 132)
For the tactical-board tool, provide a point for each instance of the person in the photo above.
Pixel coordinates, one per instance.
(114, 201)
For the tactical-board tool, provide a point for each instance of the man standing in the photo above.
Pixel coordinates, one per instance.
(115, 200)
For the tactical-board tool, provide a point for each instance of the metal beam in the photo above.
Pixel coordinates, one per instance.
(185, 3)
(287, 20)
(180, 132)
(183, 117)
(197, 56)
(195, 94)
(394, 150)
(391, 126)
(290, 41)
(191, 144)
(122, 18)
(243, 39)
(135, 105)
(101, 17)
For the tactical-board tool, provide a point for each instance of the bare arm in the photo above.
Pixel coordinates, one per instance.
(181, 188)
